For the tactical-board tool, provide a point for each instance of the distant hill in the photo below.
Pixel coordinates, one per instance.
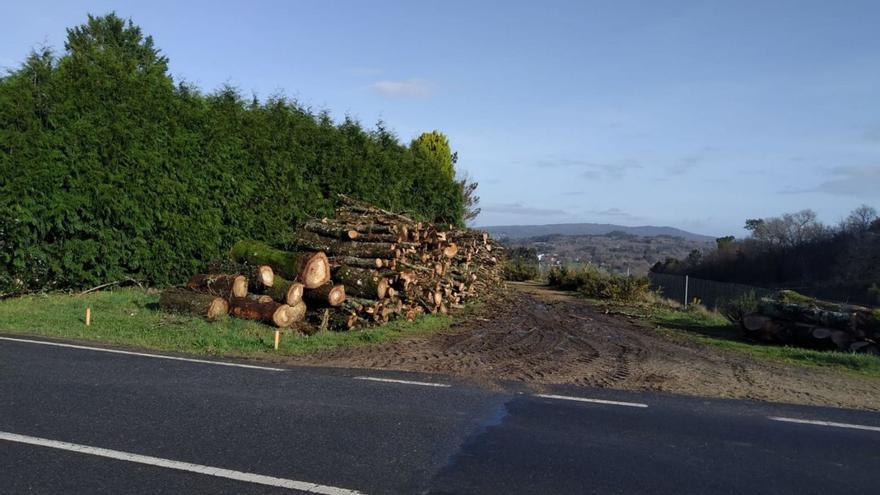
(514, 232)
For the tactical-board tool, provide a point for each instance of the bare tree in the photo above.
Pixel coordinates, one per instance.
(859, 220)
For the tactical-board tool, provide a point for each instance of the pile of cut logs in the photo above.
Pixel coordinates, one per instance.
(365, 266)
(790, 318)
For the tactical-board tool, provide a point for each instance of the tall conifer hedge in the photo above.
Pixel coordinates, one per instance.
(109, 170)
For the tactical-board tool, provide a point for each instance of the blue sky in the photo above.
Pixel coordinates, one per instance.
(695, 114)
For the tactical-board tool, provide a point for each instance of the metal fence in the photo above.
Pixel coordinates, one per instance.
(709, 292)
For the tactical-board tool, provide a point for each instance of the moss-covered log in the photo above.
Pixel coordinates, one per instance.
(285, 291)
(362, 283)
(310, 268)
(196, 303)
(221, 285)
(325, 295)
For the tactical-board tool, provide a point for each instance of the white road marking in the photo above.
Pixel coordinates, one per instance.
(142, 354)
(407, 382)
(825, 423)
(180, 466)
(595, 401)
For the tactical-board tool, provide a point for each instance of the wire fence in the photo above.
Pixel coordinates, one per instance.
(708, 292)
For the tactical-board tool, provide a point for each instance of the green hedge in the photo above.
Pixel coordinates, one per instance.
(111, 170)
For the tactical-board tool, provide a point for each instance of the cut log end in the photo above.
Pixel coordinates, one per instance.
(218, 307)
(336, 295)
(240, 286)
(266, 275)
(294, 293)
(316, 271)
(382, 288)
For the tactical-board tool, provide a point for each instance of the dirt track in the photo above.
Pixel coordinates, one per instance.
(542, 337)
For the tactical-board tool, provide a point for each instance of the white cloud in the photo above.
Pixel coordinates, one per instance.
(408, 88)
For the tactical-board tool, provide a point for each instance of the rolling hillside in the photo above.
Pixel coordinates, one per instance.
(514, 232)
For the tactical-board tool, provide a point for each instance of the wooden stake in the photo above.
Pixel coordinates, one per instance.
(88, 315)
(277, 338)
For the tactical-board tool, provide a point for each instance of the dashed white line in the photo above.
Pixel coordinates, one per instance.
(406, 382)
(180, 466)
(142, 354)
(594, 401)
(825, 423)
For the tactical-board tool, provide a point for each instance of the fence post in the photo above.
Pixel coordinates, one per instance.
(685, 292)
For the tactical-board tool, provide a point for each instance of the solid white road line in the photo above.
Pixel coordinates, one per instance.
(180, 466)
(825, 423)
(595, 401)
(407, 382)
(141, 354)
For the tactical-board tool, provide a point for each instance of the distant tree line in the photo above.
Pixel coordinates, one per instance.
(796, 250)
(112, 170)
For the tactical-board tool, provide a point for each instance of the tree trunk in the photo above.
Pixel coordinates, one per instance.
(329, 230)
(272, 313)
(312, 269)
(226, 286)
(362, 283)
(335, 247)
(286, 291)
(325, 295)
(185, 301)
(369, 263)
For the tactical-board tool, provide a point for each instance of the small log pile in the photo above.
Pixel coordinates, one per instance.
(790, 318)
(366, 266)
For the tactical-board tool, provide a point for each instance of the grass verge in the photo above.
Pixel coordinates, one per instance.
(713, 329)
(130, 317)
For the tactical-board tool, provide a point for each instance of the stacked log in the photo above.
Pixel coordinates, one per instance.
(365, 266)
(790, 318)
(394, 267)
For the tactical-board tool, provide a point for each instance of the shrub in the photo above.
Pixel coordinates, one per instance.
(738, 307)
(521, 264)
(594, 283)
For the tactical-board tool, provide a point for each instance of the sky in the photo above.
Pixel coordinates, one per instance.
(692, 114)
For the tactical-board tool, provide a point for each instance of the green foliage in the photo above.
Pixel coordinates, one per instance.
(521, 264)
(434, 148)
(594, 283)
(110, 170)
(740, 306)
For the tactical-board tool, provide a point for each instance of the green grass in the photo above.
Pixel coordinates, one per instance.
(130, 317)
(713, 329)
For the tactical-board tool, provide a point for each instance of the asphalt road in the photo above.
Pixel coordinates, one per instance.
(149, 425)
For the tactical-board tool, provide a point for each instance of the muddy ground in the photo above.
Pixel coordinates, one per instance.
(538, 337)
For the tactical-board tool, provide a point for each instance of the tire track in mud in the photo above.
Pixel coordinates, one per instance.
(541, 340)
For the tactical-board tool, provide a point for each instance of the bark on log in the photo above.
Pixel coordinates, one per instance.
(310, 268)
(272, 313)
(196, 303)
(329, 230)
(260, 298)
(325, 295)
(286, 291)
(362, 283)
(369, 263)
(335, 247)
(226, 286)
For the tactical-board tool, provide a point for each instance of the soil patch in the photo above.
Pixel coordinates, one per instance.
(539, 337)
